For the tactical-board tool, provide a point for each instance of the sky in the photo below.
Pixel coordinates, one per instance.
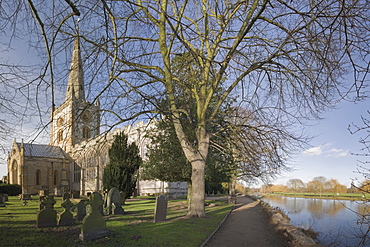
(331, 150)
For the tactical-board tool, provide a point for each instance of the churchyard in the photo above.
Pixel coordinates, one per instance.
(136, 227)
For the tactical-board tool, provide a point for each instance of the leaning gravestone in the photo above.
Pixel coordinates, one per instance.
(160, 211)
(114, 202)
(93, 225)
(66, 218)
(2, 200)
(48, 216)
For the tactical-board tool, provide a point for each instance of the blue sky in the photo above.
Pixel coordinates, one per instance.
(330, 152)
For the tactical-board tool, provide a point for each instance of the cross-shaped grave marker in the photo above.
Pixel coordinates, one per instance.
(93, 225)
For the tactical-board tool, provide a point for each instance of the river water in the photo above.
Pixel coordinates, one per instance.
(337, 222)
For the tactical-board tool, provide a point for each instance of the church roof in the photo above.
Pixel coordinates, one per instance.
(43, 150)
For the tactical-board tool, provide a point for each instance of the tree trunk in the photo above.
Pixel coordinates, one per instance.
(189, 194)
(196, 205)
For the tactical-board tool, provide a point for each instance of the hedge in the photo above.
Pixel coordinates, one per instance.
(10, 189)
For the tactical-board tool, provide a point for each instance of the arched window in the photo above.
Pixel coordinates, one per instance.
(60, 122)
(55, 177)
(85, 132)
(60, 136)
(38, 177)
(76, 173)
(14, 173)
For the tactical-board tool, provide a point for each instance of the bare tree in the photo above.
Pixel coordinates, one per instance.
(295, 185)
(284, 59)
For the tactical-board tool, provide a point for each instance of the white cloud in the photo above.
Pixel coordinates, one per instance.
(313, 151)
(337, 153)
(324, 150)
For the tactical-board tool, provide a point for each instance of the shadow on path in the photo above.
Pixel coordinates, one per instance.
(247, 225)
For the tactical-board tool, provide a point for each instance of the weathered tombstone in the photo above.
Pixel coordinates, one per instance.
(114, 202)
(2, 200)
(43, 193)
(93, 225)
(75, 194)
(41, 205)
(48, 216)
(66, 217)
(6, 197)
(66, 195)
(25, 197)
(160, 211)
(81, 210)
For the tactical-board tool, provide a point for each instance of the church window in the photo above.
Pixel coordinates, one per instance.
(15, 173)
(76, 173)
(60, 135)
(86, 132)
(55, 177)
(86, 116)
(60, 122)
(38, 177)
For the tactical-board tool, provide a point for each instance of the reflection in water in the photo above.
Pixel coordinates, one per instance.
(336, 221)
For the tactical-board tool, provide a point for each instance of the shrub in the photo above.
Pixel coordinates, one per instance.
(10, 189)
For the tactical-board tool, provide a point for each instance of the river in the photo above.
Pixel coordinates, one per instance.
(337, 222)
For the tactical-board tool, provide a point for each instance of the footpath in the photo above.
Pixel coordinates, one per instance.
(247, 225)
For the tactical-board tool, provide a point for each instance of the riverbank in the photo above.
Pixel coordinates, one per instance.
(336, 222)
(339, 196)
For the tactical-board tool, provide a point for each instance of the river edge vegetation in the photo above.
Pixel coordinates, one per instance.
(339, 196)
(134, 228)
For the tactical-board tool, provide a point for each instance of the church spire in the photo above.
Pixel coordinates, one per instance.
(75, 88)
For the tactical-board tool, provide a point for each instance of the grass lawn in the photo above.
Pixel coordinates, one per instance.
(135, 228)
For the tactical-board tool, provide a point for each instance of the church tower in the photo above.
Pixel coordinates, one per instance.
(76, 119)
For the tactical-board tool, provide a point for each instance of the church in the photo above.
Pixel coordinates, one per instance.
(77, 153)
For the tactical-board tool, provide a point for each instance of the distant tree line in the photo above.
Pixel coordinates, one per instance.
(317, 185)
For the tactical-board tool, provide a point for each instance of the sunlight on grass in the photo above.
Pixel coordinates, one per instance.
(135, 228)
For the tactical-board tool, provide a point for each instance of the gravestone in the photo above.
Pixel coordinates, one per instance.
(81, 210)
(25, 197)
(43, 193)
(160, 211)
(114, 202)
(66, 195)
(2, 200)
(6, 196)
(66, 217)
(48, 216)
(75, 194)
(41, 205)
(93, 225)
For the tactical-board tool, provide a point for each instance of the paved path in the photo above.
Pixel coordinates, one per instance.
(247, 225)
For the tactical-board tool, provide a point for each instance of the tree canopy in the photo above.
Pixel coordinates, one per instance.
(124, 163)
(286, 60)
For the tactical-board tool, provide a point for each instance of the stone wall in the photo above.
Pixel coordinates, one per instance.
(282, 222)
